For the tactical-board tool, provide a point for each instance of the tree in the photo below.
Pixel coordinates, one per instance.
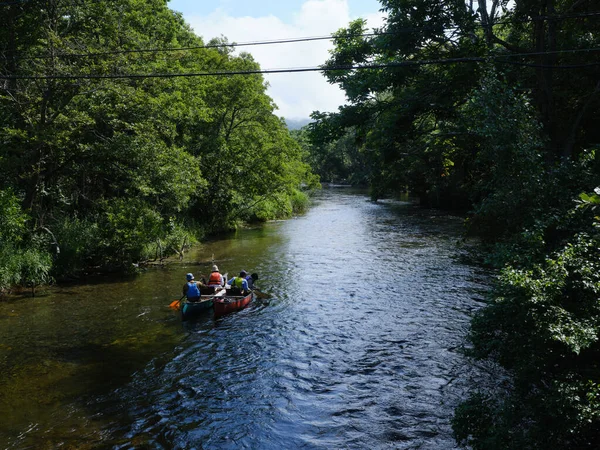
(410, 104)
(115, 167)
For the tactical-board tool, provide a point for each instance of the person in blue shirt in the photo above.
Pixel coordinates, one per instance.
(239, 282)
(251, 279)
(191, 289)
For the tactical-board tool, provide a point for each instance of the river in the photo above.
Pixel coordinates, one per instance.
(357, 347)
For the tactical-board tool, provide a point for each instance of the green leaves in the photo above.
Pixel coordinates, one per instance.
(591, 199)
(544, 326)
(133, 159)
(12, 219)
(22, 261)
(591, 202)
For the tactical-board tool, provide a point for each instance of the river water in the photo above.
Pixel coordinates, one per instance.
(357, 347)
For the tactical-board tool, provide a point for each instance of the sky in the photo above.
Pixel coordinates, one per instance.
(296, 94)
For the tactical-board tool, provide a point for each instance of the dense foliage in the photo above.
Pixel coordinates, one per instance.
(104, 172)
(418, 120)
(335, 161)
(489, 107)
(543, 326)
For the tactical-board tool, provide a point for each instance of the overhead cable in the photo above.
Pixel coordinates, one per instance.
(207, 46)
(399, 64)
(293, 40)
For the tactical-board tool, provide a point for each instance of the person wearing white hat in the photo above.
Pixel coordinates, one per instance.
(215, 279)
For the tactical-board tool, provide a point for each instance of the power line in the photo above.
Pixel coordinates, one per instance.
(399, 64)
(548, 18)
(549, 52)
(548, 66)
(18, 2)
(217, 73)
(292, 40)
(14, 2)
(208, 46)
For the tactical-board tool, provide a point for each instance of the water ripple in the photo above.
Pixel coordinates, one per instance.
(355, 349)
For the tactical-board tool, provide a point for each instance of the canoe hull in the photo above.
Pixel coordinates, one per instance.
(194, 309)
(228, 304)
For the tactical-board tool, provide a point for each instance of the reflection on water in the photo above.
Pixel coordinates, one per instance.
(355, 348)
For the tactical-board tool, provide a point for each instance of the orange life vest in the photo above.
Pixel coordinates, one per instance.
(214, 279)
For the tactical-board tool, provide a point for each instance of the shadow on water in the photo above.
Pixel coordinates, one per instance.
(355, 348)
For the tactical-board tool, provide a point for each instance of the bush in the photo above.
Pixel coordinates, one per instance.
(27, 265)
(176, 240)
(127, 227)
(35, 266)
(12, 219)
(280, 205)
(299, 202)
(544, 326)
(9, 267)
(79, 241)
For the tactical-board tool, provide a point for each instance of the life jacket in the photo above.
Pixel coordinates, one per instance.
(193, 290)
(214, 279)
(238, 282)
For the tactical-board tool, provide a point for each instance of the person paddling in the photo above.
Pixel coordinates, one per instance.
(251, 279)
(191, 289)
(215, 279)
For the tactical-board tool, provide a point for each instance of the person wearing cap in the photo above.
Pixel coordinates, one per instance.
(191, 289)
(239, 282)
(215, 279)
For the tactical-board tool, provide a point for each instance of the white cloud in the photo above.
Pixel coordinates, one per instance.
(375, 20)
(296, 94)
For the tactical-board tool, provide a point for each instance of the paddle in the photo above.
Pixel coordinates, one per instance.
(260, 294)
(176, 303)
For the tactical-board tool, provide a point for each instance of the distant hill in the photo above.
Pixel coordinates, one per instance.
(296, 124)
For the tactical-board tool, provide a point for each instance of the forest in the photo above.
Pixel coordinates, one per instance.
(109, 159)
(491, 108)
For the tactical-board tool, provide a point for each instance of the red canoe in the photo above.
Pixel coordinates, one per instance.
(230, 303)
